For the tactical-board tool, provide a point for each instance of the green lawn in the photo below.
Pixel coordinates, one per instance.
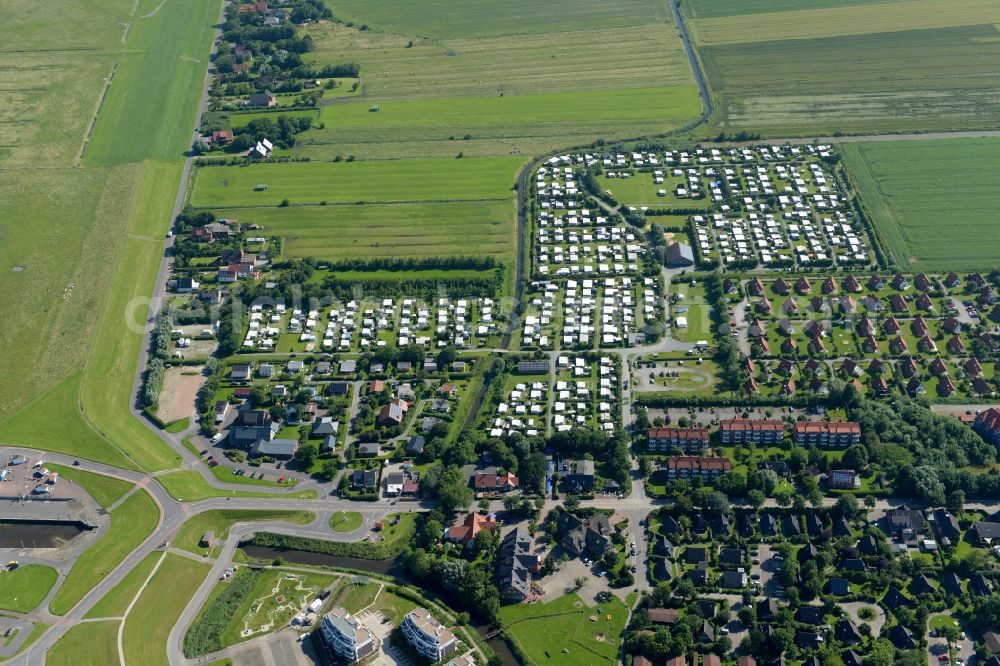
(349, 182)
(916, 190)
(159, 606)
(220, 520)
(356, 598)
(346, 521)
(226, 475)
(190, 486)
(179, 425)
(97, 640)
(26, 587)
(114, 603)
(561, 631)
(133, 521)
(105, 490)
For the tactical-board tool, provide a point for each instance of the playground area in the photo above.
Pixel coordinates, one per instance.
(290, 593)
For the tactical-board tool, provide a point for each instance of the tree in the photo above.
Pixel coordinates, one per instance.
(956, 502)
(856, 457)
(453, 491)
(756, 499)
(847, 506)
(305, 455)
(579, 582)
(881, 653)
(927, 484)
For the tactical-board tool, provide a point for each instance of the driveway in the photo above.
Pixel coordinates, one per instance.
(390, 655)
(767, 570)
(852, 608)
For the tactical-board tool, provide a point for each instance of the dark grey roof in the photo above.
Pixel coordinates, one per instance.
(276, 447)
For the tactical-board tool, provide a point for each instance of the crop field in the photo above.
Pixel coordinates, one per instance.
(148, 625)
(864, 19)
(932, 202)
(131, 522)
(348, 182)
(444, 19)
(828, 72)
(389, 230)
(519, 80)
(713, 8)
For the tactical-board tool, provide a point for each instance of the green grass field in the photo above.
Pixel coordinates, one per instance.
(115, 602)
(562, 631)
(131, 522)
(349, 182)
(919, 192)
(105, 490)
(26, 587)
(443, 19)
(148, 625)
(390, 230)
(74, 285)
(219, 521)
(346, 521)
(900, 66)
(189, 486)
(97, 640)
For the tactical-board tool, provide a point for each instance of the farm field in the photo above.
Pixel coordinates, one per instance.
(566, 624)
(390, 230)
(919, 192)
(487, 82)
(902, 66)
(131, 522)
(148, 625)
(349, 182)
(444, 19)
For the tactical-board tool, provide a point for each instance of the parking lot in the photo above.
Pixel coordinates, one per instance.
(767, 570)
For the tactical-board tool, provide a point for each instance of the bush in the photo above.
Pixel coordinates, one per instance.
(205, 635)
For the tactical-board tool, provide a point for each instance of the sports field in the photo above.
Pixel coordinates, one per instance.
(932, 202)
(809, 68)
